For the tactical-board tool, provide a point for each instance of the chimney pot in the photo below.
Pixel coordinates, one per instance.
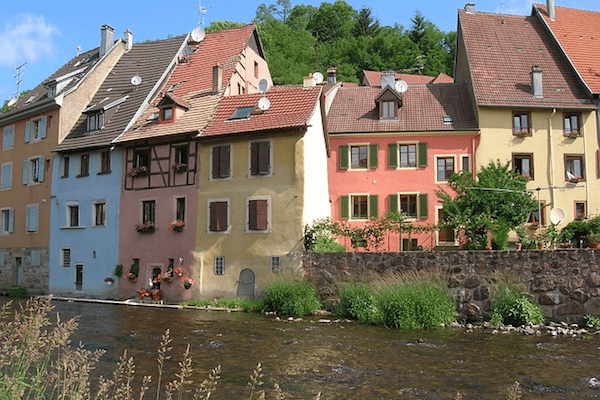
(128, 40)
(551, 10)
(470, 8)
(331, 75)
(107, 39)
(309, 81)
(217, 78)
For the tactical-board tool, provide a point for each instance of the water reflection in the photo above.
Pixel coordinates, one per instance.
(344, 361)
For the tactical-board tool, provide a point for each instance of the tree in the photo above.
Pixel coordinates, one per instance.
(332, 21)
(496, 201)
(366, 24)
(221, 25)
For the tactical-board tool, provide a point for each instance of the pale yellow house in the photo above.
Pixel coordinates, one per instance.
(265, 177)
(531, 109)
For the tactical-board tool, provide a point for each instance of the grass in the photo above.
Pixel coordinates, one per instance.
(511, 304)
(290, 295)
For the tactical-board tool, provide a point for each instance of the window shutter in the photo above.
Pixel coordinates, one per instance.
(343, 157)
(373, 206)
(215, 162)
(11, 220)
(393, 155)
(224, 161)
(254, 158)
(43, 124)
(41, 167)
(27, 131)
(264, 158)
(252, 215)
(34, 258)
(6, 176)
(423, 204)
(218, 216)
(344, 207)
(262, 215)
(393, 203)
(422, 155)
(373, 148)
(25, 172)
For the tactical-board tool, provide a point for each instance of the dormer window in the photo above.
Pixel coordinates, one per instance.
(51, 90)
(95, 121)
(388, 102)
(167, 114)
(389, 110)
(171, 107)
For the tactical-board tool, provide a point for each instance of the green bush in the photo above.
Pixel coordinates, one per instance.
(17, 292)
(198, 303)
(357, 302)
(246, 304)
(511, 306)
(416, 305)
(327, 244)
(290, 296)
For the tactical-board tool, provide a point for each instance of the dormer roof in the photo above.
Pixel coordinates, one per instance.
(388, 94)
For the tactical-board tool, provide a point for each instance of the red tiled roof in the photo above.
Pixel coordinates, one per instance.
(423, 109)
(373, 78)
(578, 32)
(502, 50)
(291, 107)
(443, 78)
(194, 85)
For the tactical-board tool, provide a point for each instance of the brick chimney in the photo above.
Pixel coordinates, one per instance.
(551, 11)
(331, 75)
(107, 39)
(309, 81)
(217, 78)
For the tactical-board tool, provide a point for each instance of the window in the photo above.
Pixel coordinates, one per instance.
(72, 215)
(33, 170)
(580, 210)
(6, 179)
(35, 129)
(8, 141)
(95, 121)
(413, 205)
(79, 277)
(465, 163)
(445, 233)
(221, 161)
(99, 217)
(31, 222)
(219, 265)
(65, 166)
(260, 158)
(574, 168)
(104, 162)
(388, 109)
(410, 244)
(149, 211)
(142, 158)
(255, 69)
(408, 205)
(571, 124)
(359, 206)
(275, 264)
(407, 155)
(218, 215)
(258, 214)
(7, 219)
(523, 165)
(180, 208)
(521, 126)
(181, 154)
(167, 113)
(445, 168)
(358, 156)
(65, 257)
(241, 113)
(84, 165)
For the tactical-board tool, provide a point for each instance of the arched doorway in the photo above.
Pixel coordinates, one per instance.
(246, 285)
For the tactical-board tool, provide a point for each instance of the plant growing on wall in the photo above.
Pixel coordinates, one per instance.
(119, 270)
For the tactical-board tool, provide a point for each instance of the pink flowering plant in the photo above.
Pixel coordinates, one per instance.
(176, 226)
(187, 282)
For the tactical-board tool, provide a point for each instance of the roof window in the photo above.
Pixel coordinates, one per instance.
(241, 113)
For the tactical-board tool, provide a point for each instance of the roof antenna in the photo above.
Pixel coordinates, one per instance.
(201, 11)
(18, 78)
(501, 7)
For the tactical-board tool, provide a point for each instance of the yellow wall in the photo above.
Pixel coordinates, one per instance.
(498, 143)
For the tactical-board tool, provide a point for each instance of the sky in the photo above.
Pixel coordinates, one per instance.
(45, 34)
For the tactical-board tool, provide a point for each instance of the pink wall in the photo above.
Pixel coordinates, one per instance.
(385, 180)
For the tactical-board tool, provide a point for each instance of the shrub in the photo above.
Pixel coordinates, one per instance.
(17, 292)
(246, 304)
(357, 302)
(198, 303)
(290, 295)
(327, 244)
(511, 306)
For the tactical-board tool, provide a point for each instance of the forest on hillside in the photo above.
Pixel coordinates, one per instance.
(304, 38)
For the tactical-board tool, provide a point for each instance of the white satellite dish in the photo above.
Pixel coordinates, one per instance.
(264, 104)
(136, 80)
(318, 77)
(198, 34)
(400, 86)
(12, 101)
(263, 85)
(557, 215)
(187, 50)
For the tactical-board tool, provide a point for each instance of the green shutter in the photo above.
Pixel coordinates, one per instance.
(393, 203)
(343, 157)
(373, 149)
(393, 155)
(423, 204)
(422, 161)
(373, 206)
(344, 207)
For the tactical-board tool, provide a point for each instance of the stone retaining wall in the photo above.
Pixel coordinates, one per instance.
(565, 283)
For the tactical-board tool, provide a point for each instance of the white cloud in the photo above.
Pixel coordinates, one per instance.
(26, 38)
(517, 7)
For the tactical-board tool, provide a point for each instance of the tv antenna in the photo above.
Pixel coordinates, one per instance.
(18, 78)
(201, 11)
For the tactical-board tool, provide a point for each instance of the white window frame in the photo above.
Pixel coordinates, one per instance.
(275, 264)
(269, 219)
(271, 160)
(11, 221)
(408, 217)
(63, 250)
(94, 204)
(8, 129)
(33, 174)
(9, 186)
(210, 174)
(155, 222)
(437, 232)
(36, 130)
(185, 212)
(221, 199)
(350, 196)
(68, 206)
(350, 167)
(37, 221)
(399, 155)
(219, 265)
(438, 156)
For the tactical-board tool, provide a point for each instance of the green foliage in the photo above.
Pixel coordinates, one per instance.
(222, 25)
(198, 303)
(18, 292)
(592, 321)
(511, 306)
(318, 237)
(291, 296)
(358, 302)
(119, 270)
(500, 236)
(580, 229)
(246, 304)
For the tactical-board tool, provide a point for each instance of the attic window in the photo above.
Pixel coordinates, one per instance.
(29, 100)
(51, 90)
(388, 110)
(95, 121)
(241, 113)
(448, 119)
(167, 113)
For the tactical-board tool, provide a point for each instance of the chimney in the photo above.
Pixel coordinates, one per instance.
(217, 78)
(536, 81)
(551, 11)
(387, 79)
(107, 39)
(331, 75)
(128, 40)
(309, 81)
(470, 8)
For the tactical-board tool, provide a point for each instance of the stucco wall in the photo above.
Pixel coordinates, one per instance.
(565, 283)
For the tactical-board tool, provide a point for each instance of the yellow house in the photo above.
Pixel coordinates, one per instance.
(265, 178)
(532, 110)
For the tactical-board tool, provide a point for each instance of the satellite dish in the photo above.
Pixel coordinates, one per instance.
(263, 85)
(12, 101)
(187, 50)
(400, 86)
(557, 215)
(318, 77)
(264, 104)
(136, 80)
(198, 34)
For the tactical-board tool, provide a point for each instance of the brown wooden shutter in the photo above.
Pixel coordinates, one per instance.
(218, 216)
(254, 158)
(215, 162)
(258, 215)
(264, 158)
(224, 161)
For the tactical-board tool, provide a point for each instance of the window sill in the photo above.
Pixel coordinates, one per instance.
(263, 231)
(72, 227)
(227, 232)
(98, 226)
(81, 176)
(104, 173)
(522, 135)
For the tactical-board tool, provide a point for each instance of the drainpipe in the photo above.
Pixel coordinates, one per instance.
(587, 176)
(552, 180)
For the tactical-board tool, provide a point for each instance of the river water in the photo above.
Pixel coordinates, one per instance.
(341, 360)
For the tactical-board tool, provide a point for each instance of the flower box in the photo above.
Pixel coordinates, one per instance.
(179, 167)
(138, 171)
(148, 227)
(187, 282)
(176, 226)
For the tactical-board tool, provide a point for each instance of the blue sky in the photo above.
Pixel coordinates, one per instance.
(46, 34)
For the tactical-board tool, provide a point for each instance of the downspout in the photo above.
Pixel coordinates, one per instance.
(552, 179)
(587, 176)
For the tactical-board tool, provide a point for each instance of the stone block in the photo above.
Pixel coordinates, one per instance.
(543, 284)
(572, 308)
(593, 280)
(548, 299)
(592, 307)
(580, 295)
(481, 293)
(472, 281)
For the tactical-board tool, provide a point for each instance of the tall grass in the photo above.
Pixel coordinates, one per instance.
(288, 294)
(511, 304)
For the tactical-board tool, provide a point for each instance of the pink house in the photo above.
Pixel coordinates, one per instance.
(391, 150)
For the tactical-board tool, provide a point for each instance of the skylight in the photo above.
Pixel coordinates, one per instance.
(448, 119)
(241, 113)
